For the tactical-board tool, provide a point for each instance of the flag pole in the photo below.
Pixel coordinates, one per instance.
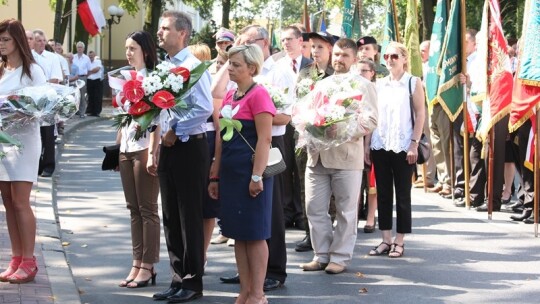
(490, 173)
(396, 25)
(536, 176)
(464, 109)
(491, 142)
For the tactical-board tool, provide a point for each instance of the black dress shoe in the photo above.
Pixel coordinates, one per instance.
(271, 284)
(164, 295)
(231, 280)
(184, 295)
(304, 245)
(529, 220)
(46, 174)
(514, 205)
(526, 214)
(484, 208)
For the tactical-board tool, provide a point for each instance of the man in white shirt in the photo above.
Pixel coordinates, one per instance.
(57, 47)
(291, 40)
(94, 83)
(83, 63)
(53, 72)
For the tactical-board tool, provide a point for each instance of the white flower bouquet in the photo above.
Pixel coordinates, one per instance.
(278, 95)
(332, 113)
(49, 104)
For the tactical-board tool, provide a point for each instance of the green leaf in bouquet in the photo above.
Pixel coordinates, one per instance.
(145, 119)
(7, 139)
(316, 131)
(197, 72)
(122, 120)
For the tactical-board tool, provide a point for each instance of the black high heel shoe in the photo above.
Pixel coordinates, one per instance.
(139, 284)
(124, 283)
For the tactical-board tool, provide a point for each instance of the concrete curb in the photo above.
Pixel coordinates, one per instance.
(49, 231)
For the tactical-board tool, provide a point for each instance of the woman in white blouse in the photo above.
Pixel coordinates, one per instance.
(138, 170)
(394, 147)
(19, 169)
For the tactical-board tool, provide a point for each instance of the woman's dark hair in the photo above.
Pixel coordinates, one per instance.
(148, 47)
(16, 30)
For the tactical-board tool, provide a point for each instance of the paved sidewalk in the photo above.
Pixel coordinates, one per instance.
(54, 282)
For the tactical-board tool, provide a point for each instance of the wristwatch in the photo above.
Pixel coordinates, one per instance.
(256, 178)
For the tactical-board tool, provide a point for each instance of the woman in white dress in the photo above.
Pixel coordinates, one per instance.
(19, 169)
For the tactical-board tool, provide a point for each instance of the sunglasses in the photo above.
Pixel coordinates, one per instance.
(365, 71)
(391, 56)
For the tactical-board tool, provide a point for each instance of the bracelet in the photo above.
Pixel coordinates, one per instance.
(214, 179)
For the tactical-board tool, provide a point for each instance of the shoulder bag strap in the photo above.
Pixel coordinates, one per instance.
(411, 102)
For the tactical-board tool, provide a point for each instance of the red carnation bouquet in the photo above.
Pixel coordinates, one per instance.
(142, 98)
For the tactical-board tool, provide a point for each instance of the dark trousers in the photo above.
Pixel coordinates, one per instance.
(47, 160)
(520, 138)
(292, 202)
(277, 249)
(477, 181)
(95, 96)
(500, 130)
(182, 177)
(393, 170)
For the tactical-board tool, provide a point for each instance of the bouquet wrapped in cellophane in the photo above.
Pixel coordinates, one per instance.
(280, 97)
(48, 103)
(333, 113)
(141, 98)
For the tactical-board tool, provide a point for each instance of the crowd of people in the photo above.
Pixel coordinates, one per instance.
(322, 191)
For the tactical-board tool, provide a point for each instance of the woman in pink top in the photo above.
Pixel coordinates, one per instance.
(245, 197)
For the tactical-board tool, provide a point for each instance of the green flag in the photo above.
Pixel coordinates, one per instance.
(275, 41)
(412, 39)
(351, 20)
(450, 90)
(434, 63)
(391, 32)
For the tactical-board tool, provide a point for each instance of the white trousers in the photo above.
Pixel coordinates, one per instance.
(332, 245)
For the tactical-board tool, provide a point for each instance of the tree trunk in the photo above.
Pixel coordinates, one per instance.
(80, 32)
(226, 5)
(64, 23)
(58, 20)
(151, 19)
(428, 16)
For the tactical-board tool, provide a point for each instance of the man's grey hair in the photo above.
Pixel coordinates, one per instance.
(80, 43)
(260, 30)
(40, 32)
(182, 23)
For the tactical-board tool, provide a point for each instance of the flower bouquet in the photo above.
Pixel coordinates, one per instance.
(333, 113)
(228, 123)
(307, 84)
(47, 103)
(142, 98)
(279, 96)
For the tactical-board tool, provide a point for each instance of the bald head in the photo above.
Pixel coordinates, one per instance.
(424, 50)
(30, 38)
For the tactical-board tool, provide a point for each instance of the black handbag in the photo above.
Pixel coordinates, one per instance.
(112, 153)
(424, 148)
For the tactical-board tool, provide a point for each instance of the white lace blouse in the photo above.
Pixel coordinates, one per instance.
(394, 126)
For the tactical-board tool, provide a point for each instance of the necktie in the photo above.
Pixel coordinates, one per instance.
(294, 65)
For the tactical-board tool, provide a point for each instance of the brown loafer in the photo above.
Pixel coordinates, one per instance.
(445, 192)
(313, 266)
(334, 268)
(435, 189)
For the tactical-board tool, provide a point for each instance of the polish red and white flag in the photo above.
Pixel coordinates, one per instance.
(91, 16)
